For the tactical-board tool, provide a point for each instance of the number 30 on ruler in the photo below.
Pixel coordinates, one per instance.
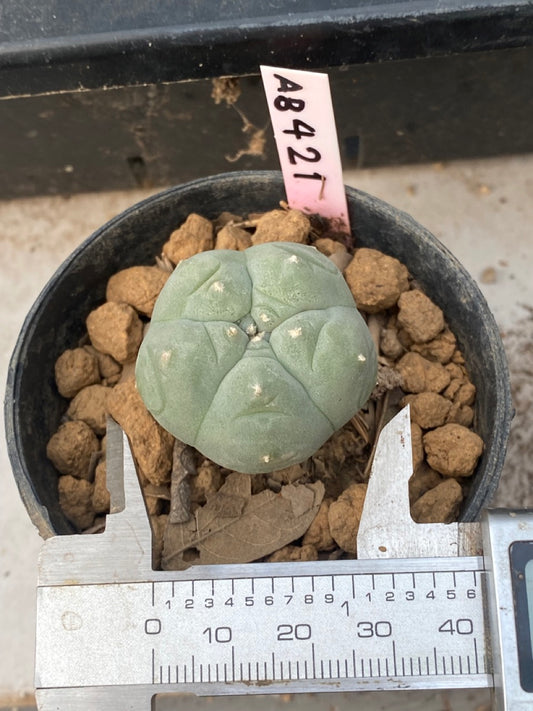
(304, 129)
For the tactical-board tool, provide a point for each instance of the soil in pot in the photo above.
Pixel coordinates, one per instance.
(202, 513)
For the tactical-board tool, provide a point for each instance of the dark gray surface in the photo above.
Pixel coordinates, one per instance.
(441, 108)
(59, 45)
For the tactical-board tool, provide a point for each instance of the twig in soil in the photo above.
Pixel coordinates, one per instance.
(375, 324)
(274, 485)
(157, 492)
(361, 427)
(246, 224)
(164, 263)
(180, 493)
(388, 379)
(98, 527)
(383, 404)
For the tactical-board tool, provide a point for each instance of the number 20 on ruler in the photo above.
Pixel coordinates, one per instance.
(304, 128)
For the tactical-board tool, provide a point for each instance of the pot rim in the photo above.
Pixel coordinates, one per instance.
(39, 513)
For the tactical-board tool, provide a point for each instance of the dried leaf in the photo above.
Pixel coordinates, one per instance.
(235, 526)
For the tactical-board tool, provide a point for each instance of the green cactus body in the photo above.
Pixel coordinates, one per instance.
(255, 358)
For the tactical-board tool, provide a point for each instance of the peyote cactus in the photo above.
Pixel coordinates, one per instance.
(256, 357)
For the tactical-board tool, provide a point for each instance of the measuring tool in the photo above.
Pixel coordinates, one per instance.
(425, 606)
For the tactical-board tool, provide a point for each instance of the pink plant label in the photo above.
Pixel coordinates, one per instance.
(306, 137)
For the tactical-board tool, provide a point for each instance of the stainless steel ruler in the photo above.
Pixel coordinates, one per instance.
(421, 608)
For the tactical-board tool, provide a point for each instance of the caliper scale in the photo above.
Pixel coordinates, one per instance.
(424, 606)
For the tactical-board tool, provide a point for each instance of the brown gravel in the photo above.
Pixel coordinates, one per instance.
(416, 349)
(376, 280)
(115, 329)
(72, 448)
(194, 236)
(137, 286)
(75, 369)
(453, 450)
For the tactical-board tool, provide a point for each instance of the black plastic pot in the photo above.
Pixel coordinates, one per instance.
(33, 407)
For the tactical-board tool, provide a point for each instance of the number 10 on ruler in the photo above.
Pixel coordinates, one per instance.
(306, 138)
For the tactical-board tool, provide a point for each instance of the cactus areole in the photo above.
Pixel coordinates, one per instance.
(256, 357)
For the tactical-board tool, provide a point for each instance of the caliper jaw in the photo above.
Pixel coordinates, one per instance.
(123, 551)
(386, 529)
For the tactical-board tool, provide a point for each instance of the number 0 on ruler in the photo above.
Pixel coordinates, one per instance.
(306, 137)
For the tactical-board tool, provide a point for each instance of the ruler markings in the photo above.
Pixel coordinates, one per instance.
(296, 669)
